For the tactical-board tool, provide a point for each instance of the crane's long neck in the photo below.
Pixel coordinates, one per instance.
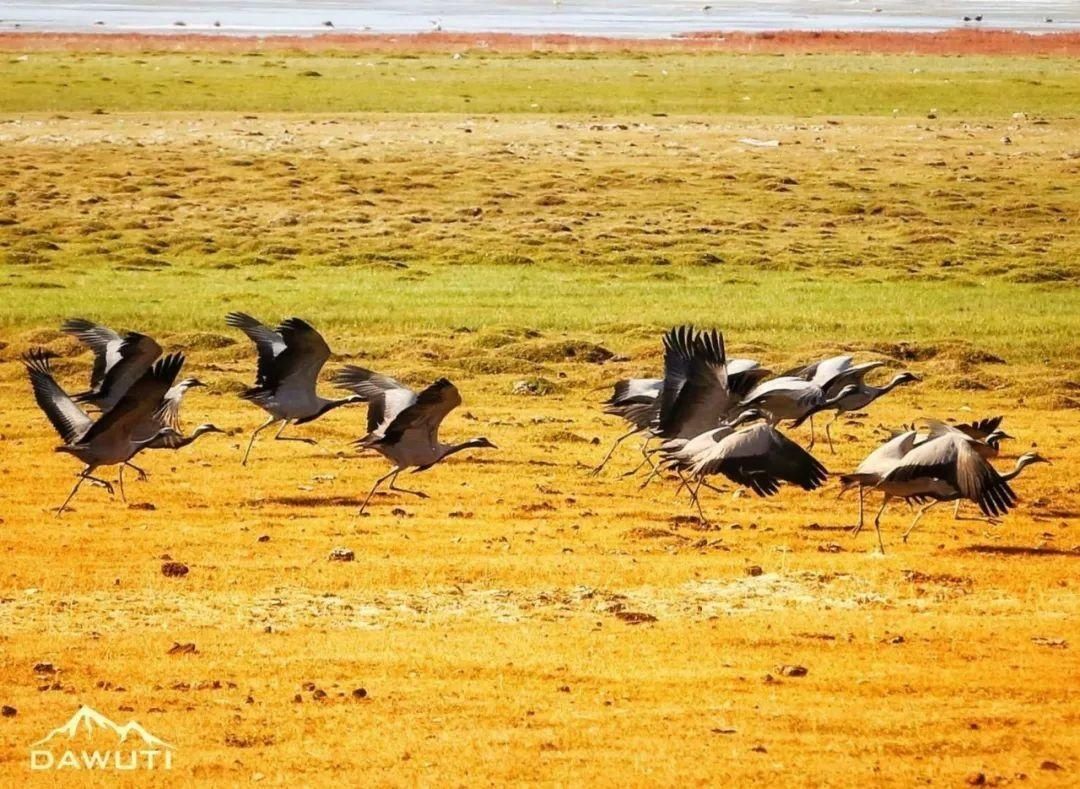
(831, 402)
(1021, 463)
(330, 405)
(199, 431)
(450, 449)
(895, 382)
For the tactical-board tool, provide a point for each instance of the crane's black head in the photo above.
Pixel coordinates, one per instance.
(1028, 458)
(481, 443)
(191, 383)
(907, 378)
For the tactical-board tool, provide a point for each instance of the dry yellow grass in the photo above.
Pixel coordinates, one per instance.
(484, 623)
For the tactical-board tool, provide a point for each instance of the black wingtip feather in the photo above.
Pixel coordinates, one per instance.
(239, 320)
(76, 325)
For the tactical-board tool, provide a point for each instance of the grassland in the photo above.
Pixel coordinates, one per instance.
(492, 241)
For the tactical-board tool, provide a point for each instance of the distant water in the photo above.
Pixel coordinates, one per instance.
(620, 18)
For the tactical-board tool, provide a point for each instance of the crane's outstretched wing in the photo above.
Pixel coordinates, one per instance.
(103, 341)
(695, 392)
(981, 428)
(268, 343)
(883, 459)
(743, 375)
(141, 402)
(760, 457)
(953, 458)
(69, 420)
(420, 421)
(832, 382)
(386, 398)
(297, 367)
(636, 400)
(136, 353)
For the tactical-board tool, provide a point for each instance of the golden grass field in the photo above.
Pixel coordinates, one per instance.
(492, 626)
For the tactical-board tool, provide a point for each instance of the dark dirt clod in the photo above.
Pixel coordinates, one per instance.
(342, 555)
(754, 571)
(635, 617)
(792, 671)
(182, 649)
(8, 712)
(174, 569)
(359, 693)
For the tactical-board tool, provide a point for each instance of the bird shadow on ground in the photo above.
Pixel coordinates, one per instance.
(315, 501)
(1018, 550)
(820, 527)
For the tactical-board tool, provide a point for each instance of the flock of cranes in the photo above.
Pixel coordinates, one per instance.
(132, 388)
(713, 415)
(709, 414)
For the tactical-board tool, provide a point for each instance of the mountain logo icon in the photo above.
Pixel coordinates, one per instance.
(90, 740)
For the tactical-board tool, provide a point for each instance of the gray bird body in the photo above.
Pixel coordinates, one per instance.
(951, 466)
(760, 457)
(112, 438)
(403, 426)
(791, 398)
(867, 393)
(289, 361)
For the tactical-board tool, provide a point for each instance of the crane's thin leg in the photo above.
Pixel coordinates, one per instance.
(697, 503)
(83, 477)
(279, 437)
(859, 525)
(918, 515)
(123, 496)
(611, 451)
(877, 528)
(101, 482)
(877, 518)
(393, 486)
(646, 461)
(828, 434)
(712, 487)
(143, 476)
(258, 430)
(812, 436)
(392, 473)
(654, 473)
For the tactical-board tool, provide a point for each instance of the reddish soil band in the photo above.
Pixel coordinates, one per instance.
(951, 42)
